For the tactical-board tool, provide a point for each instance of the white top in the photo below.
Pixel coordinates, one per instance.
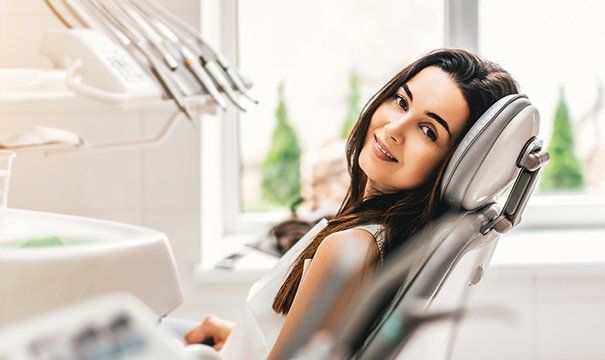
(257, 328)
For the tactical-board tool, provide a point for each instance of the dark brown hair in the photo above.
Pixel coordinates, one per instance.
(405, 212)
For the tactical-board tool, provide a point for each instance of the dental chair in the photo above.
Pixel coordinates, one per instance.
(429, 278)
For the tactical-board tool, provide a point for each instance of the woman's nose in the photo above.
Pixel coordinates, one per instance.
(395, 131)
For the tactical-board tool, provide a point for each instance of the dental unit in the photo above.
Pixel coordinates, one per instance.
(123, 55)
(126, 54)
(157, 34)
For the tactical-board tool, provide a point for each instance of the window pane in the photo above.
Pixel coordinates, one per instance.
(557, 58)
(316, 48)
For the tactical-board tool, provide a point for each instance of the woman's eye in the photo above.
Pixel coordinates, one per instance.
(429, 133)
(402, 102)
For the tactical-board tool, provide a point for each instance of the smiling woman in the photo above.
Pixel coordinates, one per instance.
(396, 155)
(400, 195)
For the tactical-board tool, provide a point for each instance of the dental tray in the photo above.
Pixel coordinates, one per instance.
(94, 257)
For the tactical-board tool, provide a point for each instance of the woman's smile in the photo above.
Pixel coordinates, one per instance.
(381, 151)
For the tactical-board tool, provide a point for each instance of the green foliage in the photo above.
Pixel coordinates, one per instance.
(280, 170)
(564, 171)
(354, 106)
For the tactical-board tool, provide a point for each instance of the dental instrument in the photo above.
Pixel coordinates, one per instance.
(202, 65)
(149, 33)
(213, 70)
(195, 66)
(203, 62)
(102, 26)
(60, 15)
(198, 72)
(159, 11)
(189, 60)
(81, 17)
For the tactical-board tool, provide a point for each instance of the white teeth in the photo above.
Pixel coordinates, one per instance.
(384, 152)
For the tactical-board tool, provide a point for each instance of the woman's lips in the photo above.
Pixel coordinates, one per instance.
(381, 152)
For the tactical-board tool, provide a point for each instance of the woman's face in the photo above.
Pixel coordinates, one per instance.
(412, 131)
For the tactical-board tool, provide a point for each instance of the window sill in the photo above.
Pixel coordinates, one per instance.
(554, 251)
(549, 211)
(246, 270)
(551, 251)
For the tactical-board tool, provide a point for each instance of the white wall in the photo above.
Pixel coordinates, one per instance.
(558, 314)
(156, 188)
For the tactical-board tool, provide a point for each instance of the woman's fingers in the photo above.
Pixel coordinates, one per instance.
(196, 335)
(213, 331)
(219, 345)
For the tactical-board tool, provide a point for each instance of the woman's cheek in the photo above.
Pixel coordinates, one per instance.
(418, 162)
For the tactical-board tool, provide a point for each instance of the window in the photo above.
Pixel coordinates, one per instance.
(559, 67)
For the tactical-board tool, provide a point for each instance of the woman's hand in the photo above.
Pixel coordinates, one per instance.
(213, 331)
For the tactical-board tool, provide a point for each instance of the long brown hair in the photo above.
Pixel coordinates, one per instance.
(405, 212)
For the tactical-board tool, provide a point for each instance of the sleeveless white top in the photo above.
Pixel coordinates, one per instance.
(257, 328)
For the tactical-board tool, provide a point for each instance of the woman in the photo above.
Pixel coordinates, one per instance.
(396, 155)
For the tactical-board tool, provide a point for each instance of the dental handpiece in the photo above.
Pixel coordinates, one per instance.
(189, 59)
(149, 34)
(231, 72)
(194, 61)
(209, 75)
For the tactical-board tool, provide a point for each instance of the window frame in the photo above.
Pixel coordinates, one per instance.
(220, 168)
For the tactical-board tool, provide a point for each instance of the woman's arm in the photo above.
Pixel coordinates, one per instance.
(323, 262)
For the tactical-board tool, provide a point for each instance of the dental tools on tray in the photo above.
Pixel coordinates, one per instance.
(171, 50)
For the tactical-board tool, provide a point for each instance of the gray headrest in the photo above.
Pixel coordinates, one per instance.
(484, 162)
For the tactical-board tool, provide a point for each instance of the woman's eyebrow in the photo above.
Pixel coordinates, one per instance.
(440, 120)
(407, 91)
(437, 118)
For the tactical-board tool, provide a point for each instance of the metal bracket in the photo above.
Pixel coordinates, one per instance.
(531, 160)
(104, 146)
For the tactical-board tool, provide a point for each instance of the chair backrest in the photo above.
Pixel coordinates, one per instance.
(455, 256)
(454, 252)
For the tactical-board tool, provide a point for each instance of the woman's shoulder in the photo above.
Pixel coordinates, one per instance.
(355, 238)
